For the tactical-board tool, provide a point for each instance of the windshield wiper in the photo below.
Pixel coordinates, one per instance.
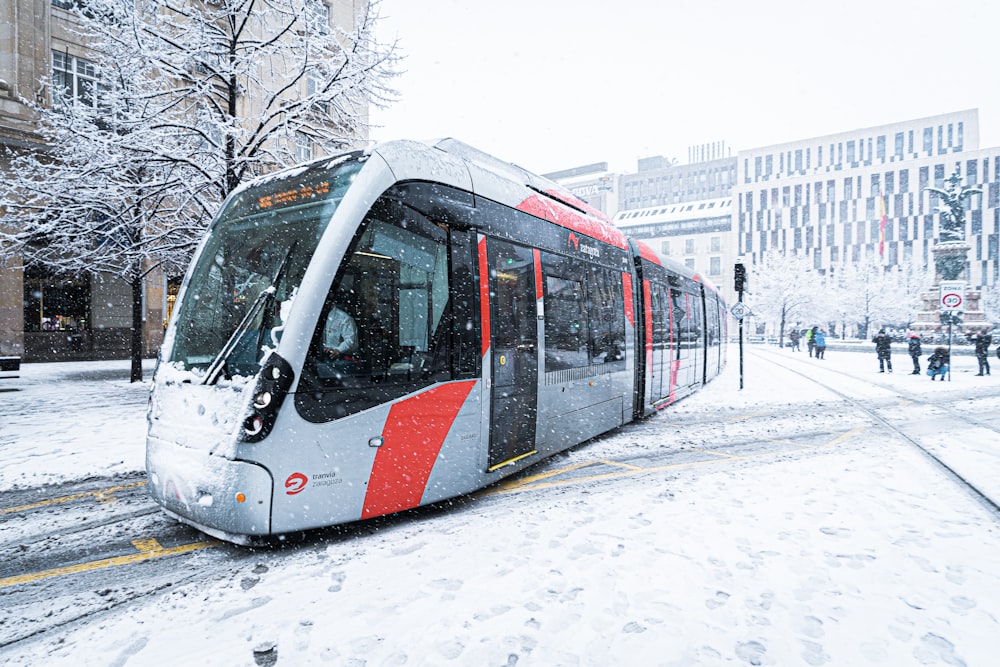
(264, 300)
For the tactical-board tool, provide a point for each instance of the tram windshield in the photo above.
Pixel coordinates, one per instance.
(250, 268)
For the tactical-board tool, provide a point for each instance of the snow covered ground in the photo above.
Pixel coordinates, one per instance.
(858, 552)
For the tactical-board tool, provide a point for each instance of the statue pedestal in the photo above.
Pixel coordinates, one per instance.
(949, 260)
(928, 322)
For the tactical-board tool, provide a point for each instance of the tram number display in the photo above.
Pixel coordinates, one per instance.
(291, 196)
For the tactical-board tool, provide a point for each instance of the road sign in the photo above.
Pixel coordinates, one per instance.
(951, 300)
(739, 310)
(951, 294)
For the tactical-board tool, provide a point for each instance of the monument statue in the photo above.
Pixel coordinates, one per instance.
(952, 209)
(951, 249)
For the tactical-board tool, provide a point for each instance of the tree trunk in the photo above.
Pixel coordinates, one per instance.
(136, 346)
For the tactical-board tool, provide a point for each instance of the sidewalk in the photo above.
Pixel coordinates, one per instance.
(71, 420)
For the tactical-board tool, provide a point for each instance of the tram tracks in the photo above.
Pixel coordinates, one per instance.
(110, 526)
(959, 444)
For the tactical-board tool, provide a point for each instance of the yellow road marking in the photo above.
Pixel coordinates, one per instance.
(719, 454)
(147, 546)
(100, 495)
(847, 436)
(148, 549)
(619, 464)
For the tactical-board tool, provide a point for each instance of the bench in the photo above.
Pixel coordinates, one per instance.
(9, 367)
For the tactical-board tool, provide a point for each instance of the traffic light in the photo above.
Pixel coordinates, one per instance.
(740, 277)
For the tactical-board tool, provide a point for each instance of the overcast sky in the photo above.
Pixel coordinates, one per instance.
(556, 84)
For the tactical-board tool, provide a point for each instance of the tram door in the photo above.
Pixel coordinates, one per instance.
(514, 340)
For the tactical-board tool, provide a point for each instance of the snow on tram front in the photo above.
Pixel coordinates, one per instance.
(368, 333)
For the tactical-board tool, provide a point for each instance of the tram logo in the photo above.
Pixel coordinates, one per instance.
(295, 483)
(574, 242)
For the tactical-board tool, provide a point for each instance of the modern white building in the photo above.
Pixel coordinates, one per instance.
(822, 198)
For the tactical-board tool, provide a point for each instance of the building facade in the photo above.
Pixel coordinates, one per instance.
(698, 234)
(709, 174)
(593, 184)
(822, 198)
(47, 316)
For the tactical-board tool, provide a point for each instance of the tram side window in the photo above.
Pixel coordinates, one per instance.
(394, 288)
(661, 316)
(584, 314)
(682, 324)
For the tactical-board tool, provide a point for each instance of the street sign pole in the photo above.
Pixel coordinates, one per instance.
(951, 293)
(740, 278)
(741, 343)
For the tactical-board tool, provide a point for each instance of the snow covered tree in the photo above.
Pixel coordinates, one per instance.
(873, 295)
(188, 100)
(256, 85)
(785, 291)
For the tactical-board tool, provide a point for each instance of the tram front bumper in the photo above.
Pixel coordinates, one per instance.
(224, 498)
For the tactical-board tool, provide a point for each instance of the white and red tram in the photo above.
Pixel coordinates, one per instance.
(498, 320)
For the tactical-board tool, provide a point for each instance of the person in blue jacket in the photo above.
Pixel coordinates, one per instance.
(819, 339)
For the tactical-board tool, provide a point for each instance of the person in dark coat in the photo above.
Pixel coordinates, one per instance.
(883, 348)
(793, 339)
(937, 363)
(983, 340)
(915, 353)
(810, 343)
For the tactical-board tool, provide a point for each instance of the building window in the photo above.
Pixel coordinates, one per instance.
(303, 147)
(880, 147)
(715, 244)
(715, 266)
(665, 247)
(928, 140)
(314, 86)
(689, 246)
(74, 81)
(689, 263)
(317, 17)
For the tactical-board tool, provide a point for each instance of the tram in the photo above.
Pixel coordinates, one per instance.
(389, 328)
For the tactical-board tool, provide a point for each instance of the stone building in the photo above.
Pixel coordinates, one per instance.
(45, 316)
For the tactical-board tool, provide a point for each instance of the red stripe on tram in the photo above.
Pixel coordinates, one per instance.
(413, 435)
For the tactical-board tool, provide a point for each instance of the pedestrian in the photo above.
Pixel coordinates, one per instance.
(937, 363)
(793, 339)
(819, 339)
(810, 343)
(883, 348)
(915, 353)
(983, 340)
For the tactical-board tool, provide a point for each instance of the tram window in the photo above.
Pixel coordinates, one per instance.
(584, 314)
(395, 286)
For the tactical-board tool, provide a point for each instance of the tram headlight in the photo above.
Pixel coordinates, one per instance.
(253, 425)
(271, 388)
